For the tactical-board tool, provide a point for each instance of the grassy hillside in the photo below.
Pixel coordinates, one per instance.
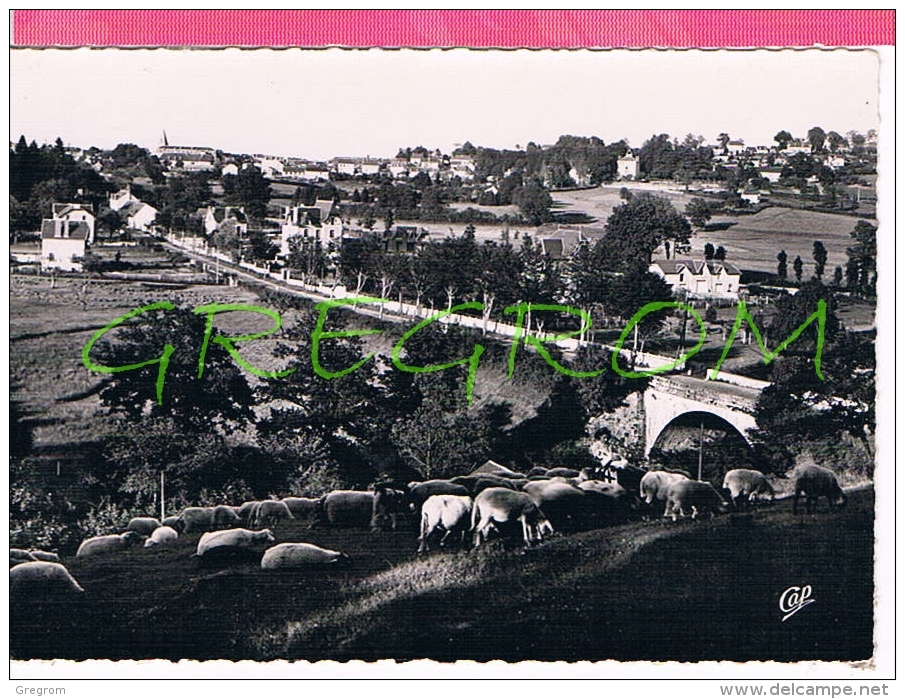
(643, 590)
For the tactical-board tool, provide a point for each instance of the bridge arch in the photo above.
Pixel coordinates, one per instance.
(668, 399)
(698, 420)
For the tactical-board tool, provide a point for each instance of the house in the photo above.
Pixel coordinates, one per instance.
(230, 169)
(270, 167)
(399, 168)
(217, 217)
(345, 166)
(369, 166)
(187, 158)
(628, 167)
(735, 147)
(399, 239)
(139, 215)
(561, 243)
(701, 278)
(75, 213)
(65, 239)
(311, 223)
(119, 199)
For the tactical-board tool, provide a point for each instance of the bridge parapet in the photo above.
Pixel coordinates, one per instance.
(708, 393)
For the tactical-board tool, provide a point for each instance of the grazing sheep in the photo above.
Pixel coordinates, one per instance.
(38, 579)
(143, 525)
(244, 511)
(389, 506)
(302, 508)
(299, 556)
(224, 517)
(501, 508)
(233, 538)
(268, 513)
(452, 513)
(349, 508)
(107, 544)
(162, 536)
(816, 481)
(562, 503)
(48, 556)
(655, 485)
(195, 519)
(172, 521)
(418, 493)
(562, 472)
(688, 497)
(745, 485)
(17, 556)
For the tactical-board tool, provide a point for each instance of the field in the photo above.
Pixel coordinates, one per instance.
(50, 325)
(654, 590)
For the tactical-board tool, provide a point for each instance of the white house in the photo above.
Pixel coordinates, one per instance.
(119, 199)
(399, 168)
(230, 169)
(63, 243)
(312, 223)
(75, 213)
(139, 215)
(702, 278)
(369, 166)
(270, 167)
(629, 167)
(216, 216)
(345, 166)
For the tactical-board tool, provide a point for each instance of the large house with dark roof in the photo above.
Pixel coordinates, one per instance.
(66, 237)
(700, 278)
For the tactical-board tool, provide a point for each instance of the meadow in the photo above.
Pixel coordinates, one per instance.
(644, 590)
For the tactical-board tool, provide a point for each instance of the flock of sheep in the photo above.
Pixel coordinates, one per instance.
(491, 501)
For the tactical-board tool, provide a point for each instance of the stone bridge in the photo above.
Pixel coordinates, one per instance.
(671, 398)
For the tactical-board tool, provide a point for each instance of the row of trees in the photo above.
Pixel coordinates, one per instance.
(860, 274)
(610, 275)
(42, 175)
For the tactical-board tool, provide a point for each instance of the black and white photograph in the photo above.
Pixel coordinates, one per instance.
(448, 355)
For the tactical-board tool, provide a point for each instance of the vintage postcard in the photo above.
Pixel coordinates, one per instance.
(451, 359)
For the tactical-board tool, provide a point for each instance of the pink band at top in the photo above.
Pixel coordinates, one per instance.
(447, 28)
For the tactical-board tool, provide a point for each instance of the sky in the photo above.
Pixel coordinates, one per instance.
(324, 103)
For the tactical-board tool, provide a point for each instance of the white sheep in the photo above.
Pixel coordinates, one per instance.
(299, 556)
(107, 544)
(233, 538)
(41, 578)
(162, 536)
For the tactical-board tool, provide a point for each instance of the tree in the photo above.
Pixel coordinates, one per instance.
(836, 141)
(723, 140)
(708, 251)
(862, 257)
(819, 259)
(698, 212)
(720, 253)
(837, 276)
(252, 191)
(782, 269)
(220, 399)
(636, 228)
(798, 266)
(633, 290)
(388, 220)
(782, 139)
(534, 202)
(816, 137)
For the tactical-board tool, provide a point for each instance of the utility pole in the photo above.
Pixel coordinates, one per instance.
(701, 450)
(163, 509)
